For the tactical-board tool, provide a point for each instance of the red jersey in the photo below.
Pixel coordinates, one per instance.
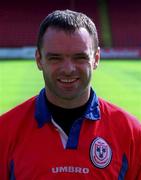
(105, 143)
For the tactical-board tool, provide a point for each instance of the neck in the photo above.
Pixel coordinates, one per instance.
(69, 103)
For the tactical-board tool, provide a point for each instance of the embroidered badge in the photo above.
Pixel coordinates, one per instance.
(100, 153)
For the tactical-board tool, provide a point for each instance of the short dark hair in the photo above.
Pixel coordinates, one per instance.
(67, 21)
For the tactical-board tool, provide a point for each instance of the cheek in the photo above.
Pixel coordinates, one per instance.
(89, 65)
(86, 69)
(49, 69)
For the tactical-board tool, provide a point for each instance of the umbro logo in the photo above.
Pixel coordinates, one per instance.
(70, 169)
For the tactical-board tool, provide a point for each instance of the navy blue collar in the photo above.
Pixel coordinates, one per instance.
(43, 115)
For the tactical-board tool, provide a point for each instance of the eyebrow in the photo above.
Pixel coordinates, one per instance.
(52, 54)
(81, 54)
(73, 55)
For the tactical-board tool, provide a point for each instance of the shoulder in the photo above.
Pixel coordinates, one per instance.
(21, 107)
(16, 114)
(16, 122)
(122, 126)
(118, 116)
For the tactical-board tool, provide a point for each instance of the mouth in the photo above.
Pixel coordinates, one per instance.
(68, 81)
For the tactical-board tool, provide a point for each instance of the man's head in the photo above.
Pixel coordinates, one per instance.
(68, 21)
(67, 52)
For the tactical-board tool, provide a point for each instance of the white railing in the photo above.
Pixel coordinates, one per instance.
(106, 53)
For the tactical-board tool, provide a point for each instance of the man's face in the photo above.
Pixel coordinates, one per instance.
(67, 61)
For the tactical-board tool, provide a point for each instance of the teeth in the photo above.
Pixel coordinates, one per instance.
(67, 80)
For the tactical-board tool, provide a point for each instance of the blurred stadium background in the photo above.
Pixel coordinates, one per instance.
(118, 22)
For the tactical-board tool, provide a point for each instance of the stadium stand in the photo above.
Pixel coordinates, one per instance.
(125, 23)
(20, 19)
(117, 22)
(20, 23)
(91, 9)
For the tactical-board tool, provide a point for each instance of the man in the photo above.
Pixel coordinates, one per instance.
(67, 132)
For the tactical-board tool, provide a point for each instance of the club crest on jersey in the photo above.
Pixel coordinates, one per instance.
(100, 153)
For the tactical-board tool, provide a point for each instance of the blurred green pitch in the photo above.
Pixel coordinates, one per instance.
(118, 81)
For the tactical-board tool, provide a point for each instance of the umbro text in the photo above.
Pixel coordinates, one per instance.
(70, 169)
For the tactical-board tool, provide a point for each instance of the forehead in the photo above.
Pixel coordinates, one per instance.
(58, 40)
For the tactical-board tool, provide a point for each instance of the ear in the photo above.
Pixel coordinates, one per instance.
(96, 58)
(38, 59)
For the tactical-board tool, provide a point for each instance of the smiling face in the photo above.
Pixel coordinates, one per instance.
(67, 61)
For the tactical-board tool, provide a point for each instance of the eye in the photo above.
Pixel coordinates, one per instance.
(81, 57)
(54, 58)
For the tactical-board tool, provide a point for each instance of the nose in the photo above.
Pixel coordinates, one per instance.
(68, 66)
